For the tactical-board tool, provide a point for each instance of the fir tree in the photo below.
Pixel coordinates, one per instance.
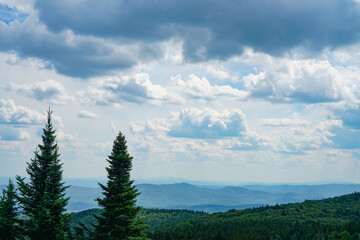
(119, 218)
(43, 198)
(9, 221)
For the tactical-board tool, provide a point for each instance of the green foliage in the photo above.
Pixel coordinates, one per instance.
(153, 217)
(43, 198)
(119, 218)
(9, 221)
(333, 218)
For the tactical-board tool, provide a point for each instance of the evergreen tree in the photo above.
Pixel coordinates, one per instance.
(119, 218)
(9, 221)
(43, 198)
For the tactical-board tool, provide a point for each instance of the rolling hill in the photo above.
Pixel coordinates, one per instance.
(331, 218)
(212, 199)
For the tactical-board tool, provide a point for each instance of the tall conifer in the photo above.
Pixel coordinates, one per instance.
(9, 221)
(119, 218)
(43, 198)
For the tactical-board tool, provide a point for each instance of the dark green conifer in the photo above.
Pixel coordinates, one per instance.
(9, 221)
(119, 218)
(43, 198)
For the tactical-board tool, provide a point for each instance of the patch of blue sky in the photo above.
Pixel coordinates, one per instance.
(345, 138)
(355, 154)
(299, 107)
(242, 69)
(350, 118)
(8, 15)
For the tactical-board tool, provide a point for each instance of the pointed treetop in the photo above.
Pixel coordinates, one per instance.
(49, 113)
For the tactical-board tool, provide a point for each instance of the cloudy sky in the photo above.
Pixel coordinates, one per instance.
(233, 91)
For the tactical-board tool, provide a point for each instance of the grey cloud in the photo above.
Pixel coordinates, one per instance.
(87, 114)
(51, 91)
(70, 54)
(210, 28)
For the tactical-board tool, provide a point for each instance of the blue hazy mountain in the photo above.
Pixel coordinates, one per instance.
(205, 196)
(213, 198)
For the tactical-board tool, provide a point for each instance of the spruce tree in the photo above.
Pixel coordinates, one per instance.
(9, 221)
(119, 219)
(43, 198)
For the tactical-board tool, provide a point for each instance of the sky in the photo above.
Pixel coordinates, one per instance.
(232, 91)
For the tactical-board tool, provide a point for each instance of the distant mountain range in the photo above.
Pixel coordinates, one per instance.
(208, 198)
(213, 198)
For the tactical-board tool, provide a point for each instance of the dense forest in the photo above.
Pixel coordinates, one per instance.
(153, 217)
(332, 218)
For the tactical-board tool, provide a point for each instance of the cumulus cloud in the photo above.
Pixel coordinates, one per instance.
(87, 114)
(50, 91)
(300, 140)
(22, 116)
(70, 141)
(218, 72)
(10, 113)
(200, 88)
(208, 123)
(137, 89)
(289, 80)
(205, 130)
(251, 141)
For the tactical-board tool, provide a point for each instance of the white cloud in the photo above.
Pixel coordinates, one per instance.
(299, 140)
(283, 122)
(70, 141)
(137, 88)
(248, 142)
(62, 136)
(51, 91)
(198, 133)
(218, 71)
(289, 80)
(10, 113)
(200, 88)
(11, 59)
(208, 123)
(87, 114)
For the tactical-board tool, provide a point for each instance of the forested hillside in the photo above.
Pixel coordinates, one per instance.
(333, 218)
(153, 217)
